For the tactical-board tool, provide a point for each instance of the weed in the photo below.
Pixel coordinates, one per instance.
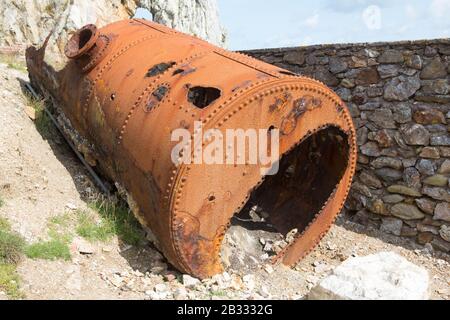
(61, 220)
(13, 62)
(115, 219)
(55, 248)
(94, 229)
(218, 293)
(10, 281)
(11, 250)
(11, 244)
(58, 245)
(42, 120)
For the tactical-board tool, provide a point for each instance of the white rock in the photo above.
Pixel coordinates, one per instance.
(264, 292)
(268, 268)
(249, 281)
(116, 280)
(382, 276)
(198, 17)
(189, 281)
(180, 294)
(23, 22)
(223, 280)
(71, 206)
(160, 287)
(83, 246)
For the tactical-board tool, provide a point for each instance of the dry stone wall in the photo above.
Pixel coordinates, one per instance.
(399, 97)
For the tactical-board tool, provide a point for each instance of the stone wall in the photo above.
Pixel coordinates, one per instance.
(399, 97)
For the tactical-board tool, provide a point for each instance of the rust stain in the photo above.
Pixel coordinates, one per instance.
(128, 85)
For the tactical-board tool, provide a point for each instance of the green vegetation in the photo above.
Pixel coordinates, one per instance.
(58, 245)
(10, 281)
(11, 248)
(1, 202)
(93, 230)
(11, 244)
(218, 293)
(13, 62)
(49, 250)
(42, 121)
(103, 220)
(115, 219)
(61, 220)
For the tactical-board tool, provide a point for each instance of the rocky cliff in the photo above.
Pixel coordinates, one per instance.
(196, 17)
(24, 22)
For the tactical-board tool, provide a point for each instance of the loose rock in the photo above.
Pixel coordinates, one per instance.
(189, 281)
(376, 277)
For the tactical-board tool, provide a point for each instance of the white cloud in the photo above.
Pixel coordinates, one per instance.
(312, 21)
(372, 17)
(440, 8)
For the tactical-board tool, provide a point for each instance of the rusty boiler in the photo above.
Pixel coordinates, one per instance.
(127, 86)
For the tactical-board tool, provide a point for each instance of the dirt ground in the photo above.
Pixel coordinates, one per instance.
(41, 178)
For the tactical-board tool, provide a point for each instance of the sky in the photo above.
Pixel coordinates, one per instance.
(253, 24)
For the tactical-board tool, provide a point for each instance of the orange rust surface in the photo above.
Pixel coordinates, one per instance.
(126, 89)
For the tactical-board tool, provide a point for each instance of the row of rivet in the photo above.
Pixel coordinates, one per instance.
(221, 122)
(107, 64)
(152, 86)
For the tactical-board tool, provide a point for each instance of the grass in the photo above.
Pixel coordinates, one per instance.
(11, 247)
(52, 249)
(93, 230)
(58, 245)
(115, 219)
(61, 220)
(10, 281)
(218, 293)
(11, 251)
(13, 62)
(11, 244)
(42, 121)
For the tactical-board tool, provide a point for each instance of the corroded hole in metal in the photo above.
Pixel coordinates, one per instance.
(284, 204)
(159, 68)
(201, 97)
(156, 97)
(178, 71)
(160, 92)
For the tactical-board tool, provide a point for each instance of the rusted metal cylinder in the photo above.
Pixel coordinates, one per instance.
(129, 85)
